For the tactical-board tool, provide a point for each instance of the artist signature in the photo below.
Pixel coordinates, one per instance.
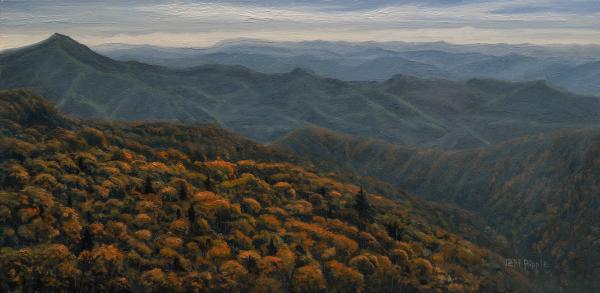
(527, 265)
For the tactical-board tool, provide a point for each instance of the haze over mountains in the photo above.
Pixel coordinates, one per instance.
(265, 107)
(574, 68)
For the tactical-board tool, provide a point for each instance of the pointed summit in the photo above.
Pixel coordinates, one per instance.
(59, 37)
(63, 41)
(62, 48)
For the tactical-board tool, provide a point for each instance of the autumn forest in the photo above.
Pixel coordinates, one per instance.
(157, 207)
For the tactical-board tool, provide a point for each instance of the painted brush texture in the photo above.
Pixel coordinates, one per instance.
(200, 23)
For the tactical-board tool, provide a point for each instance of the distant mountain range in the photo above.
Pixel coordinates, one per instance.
(574, 68)
(265, 107)
(541, 191)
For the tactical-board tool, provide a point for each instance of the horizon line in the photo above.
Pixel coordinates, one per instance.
(265, 40)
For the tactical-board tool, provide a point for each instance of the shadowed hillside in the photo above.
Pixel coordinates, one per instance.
(403, 109)
(161, 207)
(541, 192)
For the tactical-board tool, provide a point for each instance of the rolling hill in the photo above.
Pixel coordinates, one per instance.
(150, 207)
(265, 107)
(380, 61)
(584, 77)
(541, 191)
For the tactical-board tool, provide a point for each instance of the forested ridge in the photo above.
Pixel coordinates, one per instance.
(152, 207)
(540, 191)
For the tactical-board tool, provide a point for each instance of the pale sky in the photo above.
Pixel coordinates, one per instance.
(203, 23)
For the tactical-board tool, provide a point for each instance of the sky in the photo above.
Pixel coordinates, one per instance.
(189, 23)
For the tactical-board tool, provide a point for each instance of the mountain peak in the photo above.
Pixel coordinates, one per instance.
(63, 42)
(59, 46)
(61, 39)
(58, 36)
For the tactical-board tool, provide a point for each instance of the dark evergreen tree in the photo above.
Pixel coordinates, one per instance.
(191, 214)
(363, 206)
(86, 239)
(395, 229)
(81, 164)
(148, 188)
(183, 192)
(251, 264)
(208, 183)
(69, 200)
(272, 247)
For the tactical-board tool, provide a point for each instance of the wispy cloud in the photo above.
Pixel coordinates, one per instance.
(579, 8)
(407, 16)
(196, 23)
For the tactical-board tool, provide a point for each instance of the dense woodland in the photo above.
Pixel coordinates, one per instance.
(540, 192)
(126, 207)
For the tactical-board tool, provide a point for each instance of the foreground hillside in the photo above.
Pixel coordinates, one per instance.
(541, 192)
(265, 107)
(155, 207)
